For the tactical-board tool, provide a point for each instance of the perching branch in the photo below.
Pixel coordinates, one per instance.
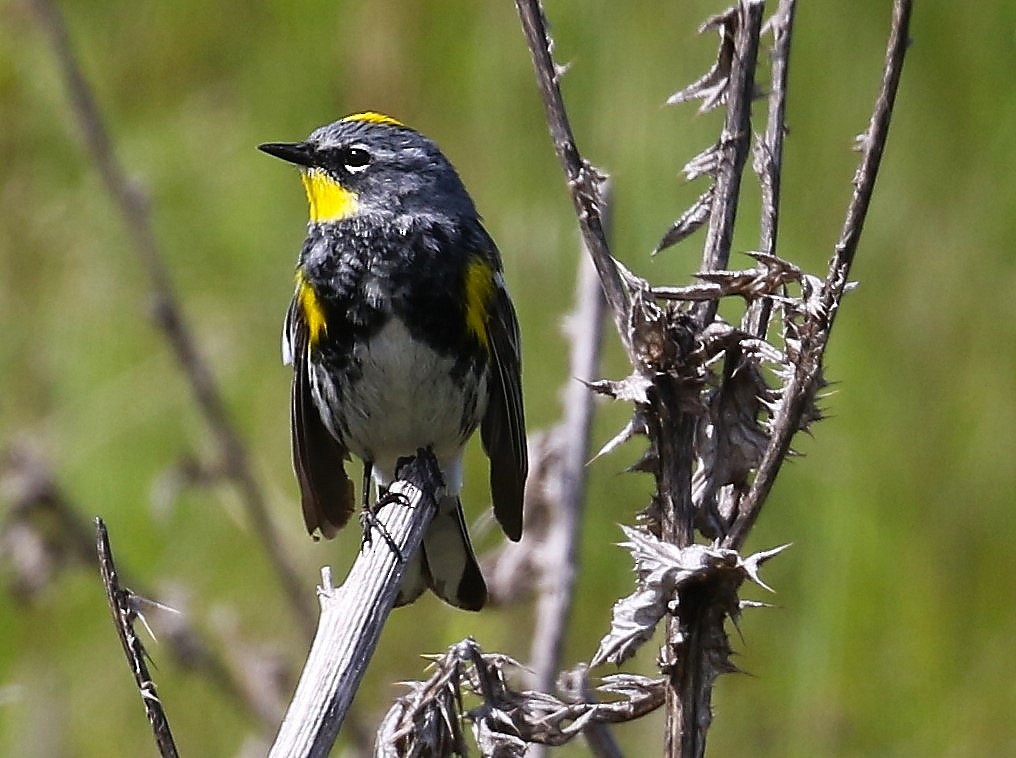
(132, 203)
(353, 615)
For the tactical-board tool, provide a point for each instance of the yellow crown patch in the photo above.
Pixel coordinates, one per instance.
(373, 117)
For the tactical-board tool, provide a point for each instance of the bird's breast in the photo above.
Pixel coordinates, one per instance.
(398, 394)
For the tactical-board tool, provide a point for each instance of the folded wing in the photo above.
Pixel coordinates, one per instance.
(326, 493)
(503, 430)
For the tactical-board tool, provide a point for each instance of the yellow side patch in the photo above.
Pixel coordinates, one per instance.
(310, 308)
(329, 200)
(479, 290)
(372, 117)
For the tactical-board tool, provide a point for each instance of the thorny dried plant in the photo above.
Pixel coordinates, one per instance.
(718, 402)
(505, 720)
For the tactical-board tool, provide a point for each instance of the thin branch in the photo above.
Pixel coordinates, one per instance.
(807, 373)
(584, 181)
(568, 480)
(734, 144)
(781, 25)
(353, 615)
(564, 491)
(586, 185)
(123, 604)
(872, 143)
(134, 209)
(769, 154)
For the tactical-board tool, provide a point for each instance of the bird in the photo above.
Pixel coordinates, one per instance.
(402, 335)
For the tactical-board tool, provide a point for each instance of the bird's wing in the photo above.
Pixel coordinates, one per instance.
(326, 493)
(503, 430)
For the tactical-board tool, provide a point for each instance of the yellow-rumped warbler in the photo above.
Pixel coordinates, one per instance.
(402, 336)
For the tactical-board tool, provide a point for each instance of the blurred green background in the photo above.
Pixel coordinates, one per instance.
(894, 625)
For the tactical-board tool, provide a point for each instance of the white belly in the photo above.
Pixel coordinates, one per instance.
(405, 400)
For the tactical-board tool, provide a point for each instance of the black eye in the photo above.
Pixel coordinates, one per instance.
(355, 158)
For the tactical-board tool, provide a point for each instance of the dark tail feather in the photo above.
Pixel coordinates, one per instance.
(446, 563)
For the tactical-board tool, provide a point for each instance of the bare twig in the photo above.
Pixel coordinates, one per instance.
(815, 332)
(124, 606)
(567, 481)
(744, 24)
(353, 615)
(871, 143)
(584, 180)
(564, 489)
(133, 206)
(769, 154)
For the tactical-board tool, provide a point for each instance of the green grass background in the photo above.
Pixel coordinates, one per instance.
(894, 625)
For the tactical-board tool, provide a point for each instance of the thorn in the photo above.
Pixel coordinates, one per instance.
(753, 563)
(136, 602)
(616, 441)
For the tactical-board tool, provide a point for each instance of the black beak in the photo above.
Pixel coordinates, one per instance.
(300, 153)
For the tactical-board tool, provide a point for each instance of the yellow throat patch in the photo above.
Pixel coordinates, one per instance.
(310, 308)
(479, 290)
(328, 200)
